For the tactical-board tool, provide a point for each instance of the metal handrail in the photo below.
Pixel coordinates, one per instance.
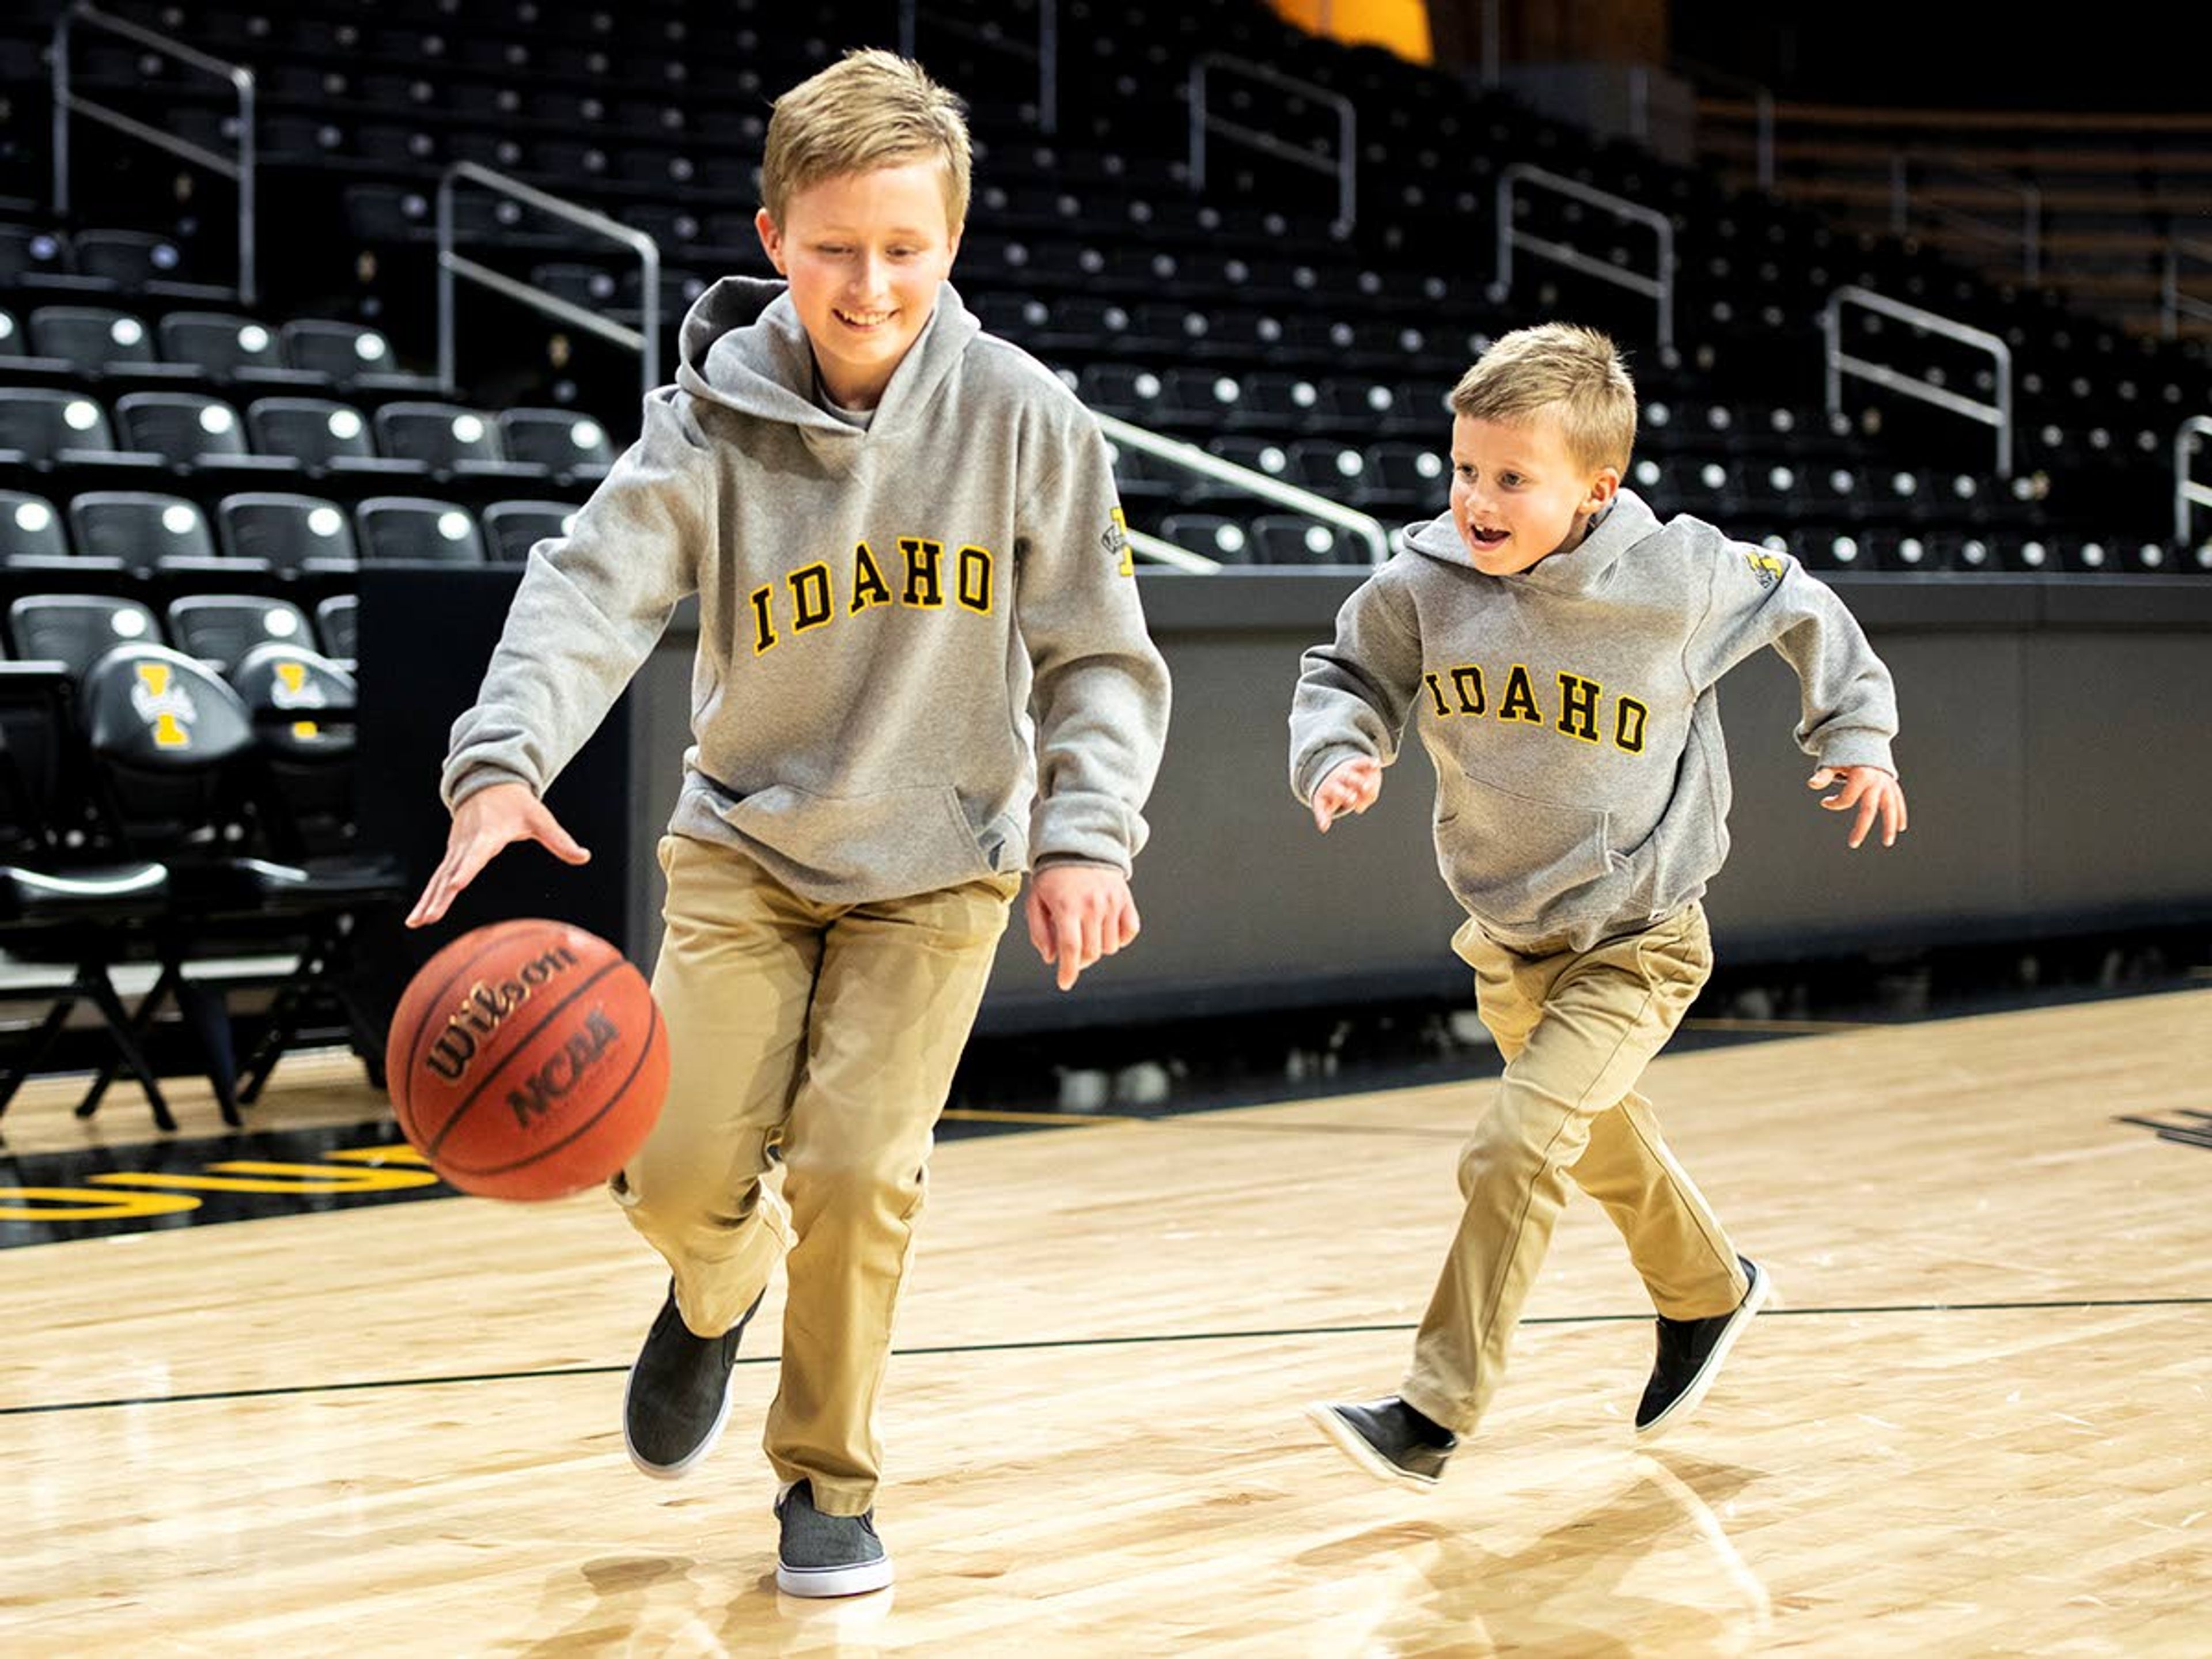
(1191, 457)
(1998, 414)
(1346, 164)
(2187, 493)
(1046, 51)
(644, 340)
(239, 168)
(2173, 303)
(2030, 235)
(1660, 289)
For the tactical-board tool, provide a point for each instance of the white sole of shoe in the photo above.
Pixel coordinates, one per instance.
(676, 1471)
(1349, 1441)
(821, 1582)
(1761, 1292)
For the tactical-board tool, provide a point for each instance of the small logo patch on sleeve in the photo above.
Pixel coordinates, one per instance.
(1115, 541)
(1765, 566)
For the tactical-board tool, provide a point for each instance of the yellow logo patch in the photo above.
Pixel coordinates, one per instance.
(166, 709)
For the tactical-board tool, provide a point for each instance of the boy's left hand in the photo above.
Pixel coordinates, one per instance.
(1079, 912)
(1872, 790)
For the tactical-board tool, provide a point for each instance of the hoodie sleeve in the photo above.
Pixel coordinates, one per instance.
(1756, 597)
(591, 606)
(1100, 688)
(1354, 694)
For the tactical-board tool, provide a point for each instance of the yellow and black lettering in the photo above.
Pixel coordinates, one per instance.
(976, 579)
(924, 572)
(1578, 700)
(764, 626)
(1520, 703)
(1436, 696)
(1628, 725)
(810, 602)
(1466, 685)
(869, 587)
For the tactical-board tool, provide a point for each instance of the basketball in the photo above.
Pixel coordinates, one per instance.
(526, 1060)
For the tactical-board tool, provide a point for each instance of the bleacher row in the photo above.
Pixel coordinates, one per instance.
(1089, 248)
(138, 533)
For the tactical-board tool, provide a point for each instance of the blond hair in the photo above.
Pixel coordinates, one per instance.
(1572, 375)
(872, 109)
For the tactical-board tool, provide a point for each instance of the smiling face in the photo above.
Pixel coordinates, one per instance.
(1519, 496)
(866, 253)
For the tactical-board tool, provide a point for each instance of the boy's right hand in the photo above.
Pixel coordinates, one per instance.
(485, 823)
(1350, 787)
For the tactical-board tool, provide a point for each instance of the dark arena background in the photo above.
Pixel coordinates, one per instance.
(314, 318)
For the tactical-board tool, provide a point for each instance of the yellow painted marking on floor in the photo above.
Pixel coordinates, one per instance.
(252, 1175)
(76, 1204)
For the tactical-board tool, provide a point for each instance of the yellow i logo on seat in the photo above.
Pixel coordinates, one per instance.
(169, 732)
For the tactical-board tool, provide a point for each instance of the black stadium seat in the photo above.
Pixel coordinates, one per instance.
(93, 338)
(316, 431)
(335, 625)
(30, 531)
(287, 532)
(143, 531)
(44, 425)
(222, 628)
(437, 435)
(219, 343)
(180, 426)
(559, 439)
(514, 527)
(76, 630)
(410, 528)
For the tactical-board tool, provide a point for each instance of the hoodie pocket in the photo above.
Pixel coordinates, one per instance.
(1509, 857)
(886, 843)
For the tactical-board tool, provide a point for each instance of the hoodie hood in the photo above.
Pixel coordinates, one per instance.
(743, 346)
(1585, 570)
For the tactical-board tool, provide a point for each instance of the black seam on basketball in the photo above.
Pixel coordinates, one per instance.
(461, 1110)
(652, 1031)
(494, 936)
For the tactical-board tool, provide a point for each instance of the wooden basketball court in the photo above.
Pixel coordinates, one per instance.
(1977, 1425)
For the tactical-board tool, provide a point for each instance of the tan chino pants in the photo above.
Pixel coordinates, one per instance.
(823, 1037)
(1577, 1030)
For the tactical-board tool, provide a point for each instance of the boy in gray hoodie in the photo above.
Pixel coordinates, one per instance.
(922, 669)
(1559, 647)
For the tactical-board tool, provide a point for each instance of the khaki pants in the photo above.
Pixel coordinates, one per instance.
(1577, 1030)
(823, 1036)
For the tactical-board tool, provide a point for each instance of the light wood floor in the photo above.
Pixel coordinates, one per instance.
(1981, 1424)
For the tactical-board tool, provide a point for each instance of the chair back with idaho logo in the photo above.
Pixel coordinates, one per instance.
(169, 739)
(302, 706)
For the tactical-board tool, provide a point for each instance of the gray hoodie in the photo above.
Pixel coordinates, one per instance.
(1582, 780)
(902, 629)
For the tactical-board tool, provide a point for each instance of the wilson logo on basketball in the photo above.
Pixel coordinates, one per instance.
(539, 1094)
(485, 1007)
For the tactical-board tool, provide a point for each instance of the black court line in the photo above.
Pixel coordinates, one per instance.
(1048, 1344)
